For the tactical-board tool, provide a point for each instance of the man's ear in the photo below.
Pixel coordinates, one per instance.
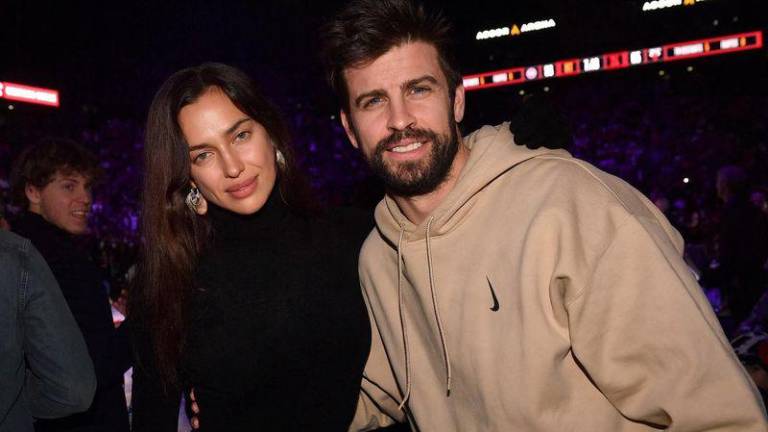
(34, 197)
(345, 121)
(458, 103)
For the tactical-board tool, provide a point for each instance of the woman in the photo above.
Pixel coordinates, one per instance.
(245, 293)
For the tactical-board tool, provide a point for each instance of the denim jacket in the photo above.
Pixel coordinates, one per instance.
(45, 369)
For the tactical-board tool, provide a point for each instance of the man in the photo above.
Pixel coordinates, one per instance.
(513, 289)
(44, 365)
(52, 180)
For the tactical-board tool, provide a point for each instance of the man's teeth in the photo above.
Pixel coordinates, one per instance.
(409, 147)
(80, 213)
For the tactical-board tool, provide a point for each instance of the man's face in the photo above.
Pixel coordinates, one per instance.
(64, 202)
(402, 119)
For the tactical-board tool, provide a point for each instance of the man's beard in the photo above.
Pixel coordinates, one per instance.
(414, 178)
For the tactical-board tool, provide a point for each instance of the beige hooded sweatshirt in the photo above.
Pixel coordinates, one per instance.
(542, 295)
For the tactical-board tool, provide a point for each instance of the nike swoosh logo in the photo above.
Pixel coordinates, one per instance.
(495, 306)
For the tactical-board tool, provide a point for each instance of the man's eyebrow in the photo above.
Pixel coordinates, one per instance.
(228, 131)
(410, 83)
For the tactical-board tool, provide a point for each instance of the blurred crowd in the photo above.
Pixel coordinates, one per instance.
(701, 158)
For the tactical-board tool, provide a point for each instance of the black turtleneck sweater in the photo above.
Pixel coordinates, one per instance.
(279, 332)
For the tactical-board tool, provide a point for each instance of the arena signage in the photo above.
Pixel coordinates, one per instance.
(29, 94)
(516, 30)
(665, 4)
(617, 60)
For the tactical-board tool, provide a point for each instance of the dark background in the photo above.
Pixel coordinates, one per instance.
(108, 58)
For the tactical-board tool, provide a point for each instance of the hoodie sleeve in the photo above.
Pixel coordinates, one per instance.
(377, 406)
(645, 334)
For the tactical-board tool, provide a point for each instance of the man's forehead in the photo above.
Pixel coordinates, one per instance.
(401, 64)
(68, 174)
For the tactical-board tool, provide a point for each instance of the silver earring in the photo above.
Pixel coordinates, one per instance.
(279, 158)
(193, 199)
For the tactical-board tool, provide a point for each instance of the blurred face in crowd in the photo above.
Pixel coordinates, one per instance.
(64, 202)
(403, 118)
(759, 199)
(231, 155)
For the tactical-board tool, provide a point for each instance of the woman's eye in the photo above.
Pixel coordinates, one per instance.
(201, 157)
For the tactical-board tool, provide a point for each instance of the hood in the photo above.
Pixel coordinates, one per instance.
(492, 152)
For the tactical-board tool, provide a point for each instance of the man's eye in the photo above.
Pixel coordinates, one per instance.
(420, 90)
(242, 136)
(372, 102)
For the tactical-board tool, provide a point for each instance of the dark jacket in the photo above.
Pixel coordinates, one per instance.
(39, 342)
(81, 283)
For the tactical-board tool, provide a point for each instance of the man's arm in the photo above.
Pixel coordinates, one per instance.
(61, 379)
(645, 334)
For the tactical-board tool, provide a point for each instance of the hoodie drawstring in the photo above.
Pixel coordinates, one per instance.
(446, 357)
(402, 318)
(444, 344)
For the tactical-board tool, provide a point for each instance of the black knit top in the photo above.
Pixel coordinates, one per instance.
(279, 333)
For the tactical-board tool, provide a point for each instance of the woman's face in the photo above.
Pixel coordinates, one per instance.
(232, 157)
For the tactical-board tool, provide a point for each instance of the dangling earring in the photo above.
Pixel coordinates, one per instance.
(279, 158)
(193, 199)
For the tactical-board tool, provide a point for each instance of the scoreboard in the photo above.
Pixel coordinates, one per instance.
(617, 60)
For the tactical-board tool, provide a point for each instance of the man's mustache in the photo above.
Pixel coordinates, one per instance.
(421, 134)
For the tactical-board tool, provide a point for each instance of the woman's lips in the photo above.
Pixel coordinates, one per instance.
(244, 189)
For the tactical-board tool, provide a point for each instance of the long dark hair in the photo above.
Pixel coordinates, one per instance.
(174, 236)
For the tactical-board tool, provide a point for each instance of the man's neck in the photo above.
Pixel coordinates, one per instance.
(418, 208)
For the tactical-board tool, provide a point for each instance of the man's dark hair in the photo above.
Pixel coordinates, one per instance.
(364, 30)
(39, 163)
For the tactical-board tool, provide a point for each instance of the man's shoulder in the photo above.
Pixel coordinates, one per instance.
(601, 198)
(580, 180)
(375, 245)
(13, 244)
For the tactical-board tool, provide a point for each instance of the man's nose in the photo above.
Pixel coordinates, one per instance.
(400, 115)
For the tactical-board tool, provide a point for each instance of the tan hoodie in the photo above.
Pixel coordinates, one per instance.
(542, 295)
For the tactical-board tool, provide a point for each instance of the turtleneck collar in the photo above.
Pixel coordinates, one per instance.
(32, 223)
(230, 225)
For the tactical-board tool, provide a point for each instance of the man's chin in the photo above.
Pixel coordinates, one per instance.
(77, 230)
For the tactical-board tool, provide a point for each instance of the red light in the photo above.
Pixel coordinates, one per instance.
(567, 67)
(616, 60)
(24, 93)
(623, 59)
(713, 46)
